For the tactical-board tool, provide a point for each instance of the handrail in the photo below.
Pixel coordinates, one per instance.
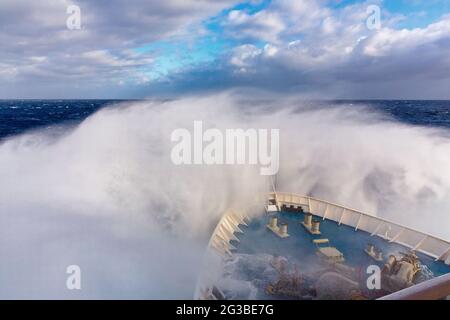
(443, 256)
(433, 289)
(363, 213)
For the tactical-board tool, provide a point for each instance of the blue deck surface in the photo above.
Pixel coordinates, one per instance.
(300, 249)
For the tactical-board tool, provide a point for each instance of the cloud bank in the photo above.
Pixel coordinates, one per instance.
(315, 47)
(324, 53)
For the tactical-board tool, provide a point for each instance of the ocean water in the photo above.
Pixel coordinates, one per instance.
(18, 116)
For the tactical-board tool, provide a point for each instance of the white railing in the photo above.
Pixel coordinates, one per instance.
(219, 243)
(433, 289)
(388, 230)
(225, 230)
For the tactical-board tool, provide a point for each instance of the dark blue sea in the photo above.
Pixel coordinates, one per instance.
(18, 116)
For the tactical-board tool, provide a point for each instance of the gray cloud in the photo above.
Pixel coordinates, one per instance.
(39, 51)
(306, 47)
(333, 54)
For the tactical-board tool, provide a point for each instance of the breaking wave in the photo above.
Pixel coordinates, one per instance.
(105, 195)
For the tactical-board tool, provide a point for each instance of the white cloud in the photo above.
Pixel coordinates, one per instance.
(270, 50)
(301, 44)
(388, 41)
(264, 25)
(97, 52)
(103, 57)
(323, 47)
(244, 55)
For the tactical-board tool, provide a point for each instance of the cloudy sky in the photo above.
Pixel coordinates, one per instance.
(143, 48)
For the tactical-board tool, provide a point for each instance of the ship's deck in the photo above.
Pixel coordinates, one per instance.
(300, 250)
